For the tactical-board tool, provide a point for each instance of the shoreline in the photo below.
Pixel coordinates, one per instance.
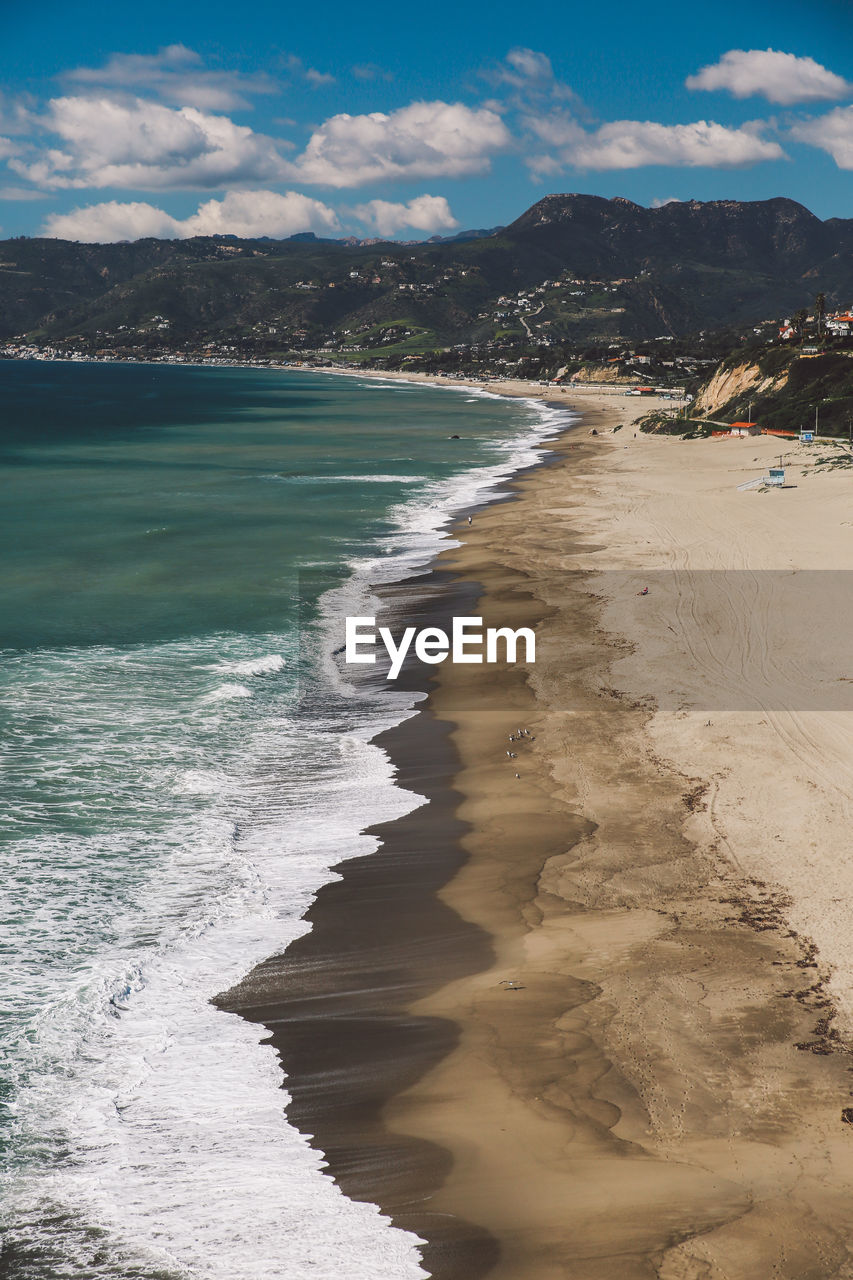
(336, 1003)
(505, 388)
(642, 1095)
(322, 1036)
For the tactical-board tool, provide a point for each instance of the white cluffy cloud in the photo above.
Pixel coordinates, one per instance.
(769, 73)
(630, 144)
(176, 74)
(426, 213)
(136, 144)
(422, 140)
(143, 145)
(240, 213)
(832, 133)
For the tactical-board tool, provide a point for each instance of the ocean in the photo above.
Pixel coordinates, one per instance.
(182, 760)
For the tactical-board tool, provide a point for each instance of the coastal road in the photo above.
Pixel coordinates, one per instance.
(527, 328)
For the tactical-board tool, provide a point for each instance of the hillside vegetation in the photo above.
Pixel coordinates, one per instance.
(783, 390)
(572, 271)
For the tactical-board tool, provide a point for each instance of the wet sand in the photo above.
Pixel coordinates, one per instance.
(554, 1025)
(338, 1002)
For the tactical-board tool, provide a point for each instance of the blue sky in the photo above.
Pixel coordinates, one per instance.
(175, 119)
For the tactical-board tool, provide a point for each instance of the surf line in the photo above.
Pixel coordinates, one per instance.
(466, 643)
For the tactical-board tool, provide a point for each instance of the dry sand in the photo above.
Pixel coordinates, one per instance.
(751, 621)
(659, 1092)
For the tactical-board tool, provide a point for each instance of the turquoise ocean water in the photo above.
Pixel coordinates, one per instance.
(180, 763)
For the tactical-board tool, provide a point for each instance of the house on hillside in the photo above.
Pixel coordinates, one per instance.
(842, 323)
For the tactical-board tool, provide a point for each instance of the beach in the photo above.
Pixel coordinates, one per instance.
(625, 1022)
(564, 395)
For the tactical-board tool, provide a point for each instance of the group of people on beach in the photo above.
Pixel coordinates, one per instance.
(517, 737)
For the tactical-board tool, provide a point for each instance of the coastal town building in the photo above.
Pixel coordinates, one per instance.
(840, 324)
(744, 429)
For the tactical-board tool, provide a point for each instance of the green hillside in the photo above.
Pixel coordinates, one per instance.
(573, 271)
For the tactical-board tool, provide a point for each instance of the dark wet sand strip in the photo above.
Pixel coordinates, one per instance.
(336, 1002)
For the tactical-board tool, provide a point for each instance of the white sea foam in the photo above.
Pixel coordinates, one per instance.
(164, 1100)
(421, 523)
(200, 782)
(225, 692)
(262, 666)
(423, 519)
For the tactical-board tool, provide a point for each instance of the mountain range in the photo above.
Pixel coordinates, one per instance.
(571, 269)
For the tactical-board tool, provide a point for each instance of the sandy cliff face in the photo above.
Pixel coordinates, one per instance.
(602, 375)
(728, 384)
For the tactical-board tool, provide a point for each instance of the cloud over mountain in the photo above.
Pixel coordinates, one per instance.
(142, 145)
(239, 213)
(771, 74)
(629, 144)
(171, 121)
(133, 143)
(424, 213)
(832, 133)
(422, 140)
